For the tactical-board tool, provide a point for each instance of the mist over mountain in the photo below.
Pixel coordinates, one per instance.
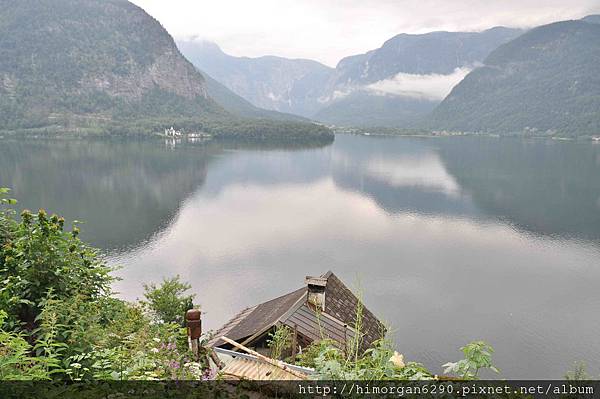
(546, 81)
(91, 67)
(390, 86)
(407, 77)
(420, 54)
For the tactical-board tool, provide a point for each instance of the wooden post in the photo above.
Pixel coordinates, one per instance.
(345, 340)
(295, 341)
(194, 330)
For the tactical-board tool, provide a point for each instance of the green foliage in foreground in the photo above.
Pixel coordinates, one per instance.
(379, 362)
(58, 319)
(478, 356)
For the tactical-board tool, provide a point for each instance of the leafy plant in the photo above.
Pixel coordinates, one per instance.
(16, 362)
(38, 255)
(380, 362)
(168, 303)
(478, 356)
(307, 357)
(279, 340)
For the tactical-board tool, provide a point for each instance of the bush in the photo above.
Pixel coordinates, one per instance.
(168, 303)
(57, 318)
(16, 363)
(38, 257)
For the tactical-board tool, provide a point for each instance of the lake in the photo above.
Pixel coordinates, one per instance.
(449, 240)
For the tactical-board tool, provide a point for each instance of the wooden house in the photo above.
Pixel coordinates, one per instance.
(323, 308)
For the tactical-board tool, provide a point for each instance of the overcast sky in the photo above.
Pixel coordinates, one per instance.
(328, 30)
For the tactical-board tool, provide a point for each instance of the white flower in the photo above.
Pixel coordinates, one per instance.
(397, 359)
(156, 339)
(154, 350)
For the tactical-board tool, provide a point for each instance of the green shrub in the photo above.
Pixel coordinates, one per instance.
(279, 341)
(16, 362)
(478, 356)
(39, 256)
(168, 303)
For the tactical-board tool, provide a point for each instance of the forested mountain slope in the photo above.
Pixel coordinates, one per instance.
(546, 81)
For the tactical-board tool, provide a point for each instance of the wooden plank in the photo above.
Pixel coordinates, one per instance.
(276, 363)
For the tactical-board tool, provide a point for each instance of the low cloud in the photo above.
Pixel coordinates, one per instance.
(432, 87)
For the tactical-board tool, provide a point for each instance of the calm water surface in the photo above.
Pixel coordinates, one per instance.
(450, 240)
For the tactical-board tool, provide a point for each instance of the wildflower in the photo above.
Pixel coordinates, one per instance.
(156, 339)
(209, 375)
(397, 359)
(154, 350)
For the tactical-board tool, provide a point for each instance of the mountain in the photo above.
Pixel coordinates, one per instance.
(107, 67)
(593, 19)
(406, 77)
(364, 109)
(235, 104)
(275, 83)
(62, 60)
(434, 52)
(546, 81)
(389, 86)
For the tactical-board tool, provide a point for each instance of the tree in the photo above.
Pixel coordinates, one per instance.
(168, 303)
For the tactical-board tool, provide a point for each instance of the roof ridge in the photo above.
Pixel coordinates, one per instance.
(279, 297)
(328, 274)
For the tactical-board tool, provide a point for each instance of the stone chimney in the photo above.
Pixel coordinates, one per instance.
(316, 292)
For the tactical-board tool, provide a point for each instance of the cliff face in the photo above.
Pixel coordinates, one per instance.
(168, 72)
(89, 57)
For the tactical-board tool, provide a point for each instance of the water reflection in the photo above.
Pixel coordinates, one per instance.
(450, 240)
(546, 187)
(124, 191)
(401, 176)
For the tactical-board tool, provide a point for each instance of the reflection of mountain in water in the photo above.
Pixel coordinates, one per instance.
(128, 191)
(124, 191)
(546, 187)
(400, 175)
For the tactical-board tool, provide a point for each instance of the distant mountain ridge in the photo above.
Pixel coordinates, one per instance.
(406, 66)
(240, 106)
(268, 82)
(593, 19)
(435, 52)
(342, 95)
(546, 81)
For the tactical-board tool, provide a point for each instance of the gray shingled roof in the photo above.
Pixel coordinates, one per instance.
(340, 303)
(257, 318)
